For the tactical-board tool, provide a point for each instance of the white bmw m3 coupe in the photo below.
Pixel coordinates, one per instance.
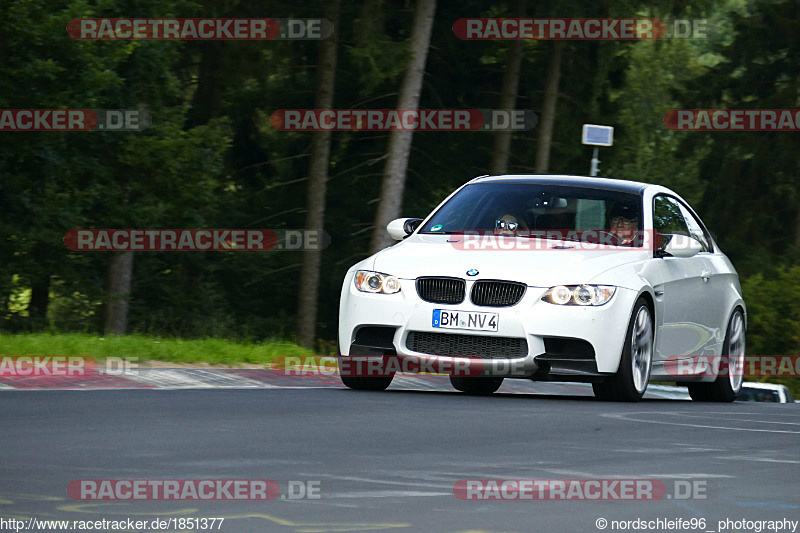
(561, 278)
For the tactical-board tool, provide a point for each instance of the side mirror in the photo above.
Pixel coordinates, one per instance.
(679, 246)
(400, 228)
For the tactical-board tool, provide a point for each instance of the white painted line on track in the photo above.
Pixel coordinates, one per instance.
(646, 418)
(594, 475)
(737, 419)
(759, 459)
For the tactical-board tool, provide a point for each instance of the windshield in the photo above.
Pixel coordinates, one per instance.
(527, 209)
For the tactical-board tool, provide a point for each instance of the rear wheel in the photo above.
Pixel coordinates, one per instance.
(478, 386)
(731, 368)
(630, 381)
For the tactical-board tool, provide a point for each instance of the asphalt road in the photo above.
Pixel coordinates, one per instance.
(389, 461)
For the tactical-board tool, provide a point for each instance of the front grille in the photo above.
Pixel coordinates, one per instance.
(492, 293)
(441, 290)
(467, 345)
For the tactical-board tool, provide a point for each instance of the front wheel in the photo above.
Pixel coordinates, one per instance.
(478, 386)
(378, 383)
(630, 381)
(731, 367)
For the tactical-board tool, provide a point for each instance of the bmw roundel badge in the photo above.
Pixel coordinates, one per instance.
(472, 272)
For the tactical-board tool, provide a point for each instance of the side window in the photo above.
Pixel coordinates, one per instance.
(667, 217)
(695, 228)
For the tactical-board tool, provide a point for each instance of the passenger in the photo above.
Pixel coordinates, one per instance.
(623, 221)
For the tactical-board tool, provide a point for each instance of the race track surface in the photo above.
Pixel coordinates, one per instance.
(390, 460)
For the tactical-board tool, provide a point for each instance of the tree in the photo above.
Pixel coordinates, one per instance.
(508, 101)
(394, 173)
(752, 193)
(549, 103)
(120, 274)
(53, 182)
(308, 291)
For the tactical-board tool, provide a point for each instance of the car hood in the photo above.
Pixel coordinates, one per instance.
(541, 265)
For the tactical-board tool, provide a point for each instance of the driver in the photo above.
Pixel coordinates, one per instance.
(623, 221)
(509, 224)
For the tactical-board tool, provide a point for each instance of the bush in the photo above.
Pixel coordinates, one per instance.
(773, 316)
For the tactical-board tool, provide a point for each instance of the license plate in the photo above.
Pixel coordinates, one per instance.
(450, 319)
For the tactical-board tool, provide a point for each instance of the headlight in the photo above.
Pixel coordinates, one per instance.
(376, 282)
(579, 294)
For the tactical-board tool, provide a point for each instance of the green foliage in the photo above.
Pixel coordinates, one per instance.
(647, 150)
(773, 305)
(377, 57)
(143, 348)
(751, 191)
(212, 159)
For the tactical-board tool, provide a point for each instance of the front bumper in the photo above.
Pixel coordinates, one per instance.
(561, 342)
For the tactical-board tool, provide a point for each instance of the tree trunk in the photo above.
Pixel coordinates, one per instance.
(120, 274)
(394, 173)
(508, 101)
(548, 118)
(40, 298)
(207, 99)
(797, 231)
(317, 186)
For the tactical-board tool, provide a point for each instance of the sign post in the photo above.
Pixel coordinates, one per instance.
(594, 135)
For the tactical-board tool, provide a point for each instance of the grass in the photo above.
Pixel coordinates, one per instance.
(212, 351)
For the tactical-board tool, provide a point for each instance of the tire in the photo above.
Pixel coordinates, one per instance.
(603, 391)
(364, 382)
(476, 386)
(727, 385)
(636, 360)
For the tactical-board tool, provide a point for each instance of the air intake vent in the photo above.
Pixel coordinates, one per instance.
(467, 345)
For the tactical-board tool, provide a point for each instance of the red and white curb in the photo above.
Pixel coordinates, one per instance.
(256, 378)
